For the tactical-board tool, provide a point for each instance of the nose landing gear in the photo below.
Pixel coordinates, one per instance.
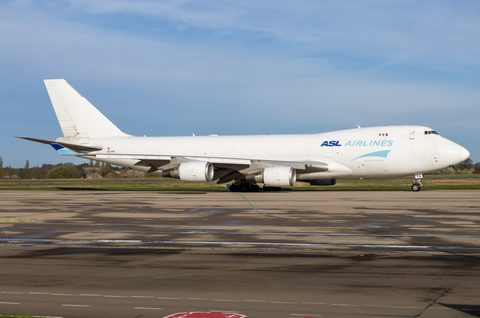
(417, 185)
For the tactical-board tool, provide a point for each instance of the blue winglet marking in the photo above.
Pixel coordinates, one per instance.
(57, 147)
(62, 150)
(382, 153)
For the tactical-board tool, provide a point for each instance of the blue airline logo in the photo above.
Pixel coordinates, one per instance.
(358, 143)
(331, 143)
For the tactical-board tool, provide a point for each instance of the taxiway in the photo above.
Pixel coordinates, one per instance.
(279, 254)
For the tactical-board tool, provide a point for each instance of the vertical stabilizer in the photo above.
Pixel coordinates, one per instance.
(76, 115)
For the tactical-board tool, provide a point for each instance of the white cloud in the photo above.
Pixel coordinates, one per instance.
(412, 32)
(233, 84)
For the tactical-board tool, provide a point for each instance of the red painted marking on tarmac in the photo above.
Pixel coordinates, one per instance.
(205, 315)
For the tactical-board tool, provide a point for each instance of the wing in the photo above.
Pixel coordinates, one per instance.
(226, 169)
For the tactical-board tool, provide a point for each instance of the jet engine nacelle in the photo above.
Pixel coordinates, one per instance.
(324, 182)
(278, 177)
(196, 171)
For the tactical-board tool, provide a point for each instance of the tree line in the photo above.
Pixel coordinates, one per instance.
(61, 171)
(95, 168)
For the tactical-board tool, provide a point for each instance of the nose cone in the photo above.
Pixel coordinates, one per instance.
(451, 153)
(464, 154)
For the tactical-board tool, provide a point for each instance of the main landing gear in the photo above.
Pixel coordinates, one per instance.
(244, 187)
(249, 187)
(417, 185)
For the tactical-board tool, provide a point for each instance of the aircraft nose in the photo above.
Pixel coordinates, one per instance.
(464, 154)
(451, 153)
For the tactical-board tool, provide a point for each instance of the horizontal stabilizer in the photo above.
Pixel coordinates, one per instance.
(74, 147)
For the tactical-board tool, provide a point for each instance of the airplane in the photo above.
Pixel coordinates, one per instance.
(272, 160)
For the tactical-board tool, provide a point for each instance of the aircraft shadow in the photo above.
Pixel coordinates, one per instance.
(473, 310)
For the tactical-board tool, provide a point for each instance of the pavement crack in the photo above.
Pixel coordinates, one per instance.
(433, 302)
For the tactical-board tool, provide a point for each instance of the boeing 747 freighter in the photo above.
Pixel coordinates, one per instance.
(245, 161)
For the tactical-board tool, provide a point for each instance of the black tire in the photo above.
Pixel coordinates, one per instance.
(265, 188)
(254, 188)
(244, 187)
(234, 188)
(416, 187)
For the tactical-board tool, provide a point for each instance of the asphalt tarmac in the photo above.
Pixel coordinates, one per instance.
(275, 254)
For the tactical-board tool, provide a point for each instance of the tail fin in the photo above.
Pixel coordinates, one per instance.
(76, 115)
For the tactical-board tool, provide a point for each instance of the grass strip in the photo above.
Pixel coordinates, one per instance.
(163, 184)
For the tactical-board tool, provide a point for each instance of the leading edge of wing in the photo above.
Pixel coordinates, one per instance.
(170, 162)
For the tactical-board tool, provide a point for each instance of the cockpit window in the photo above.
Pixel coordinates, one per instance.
(430, 132)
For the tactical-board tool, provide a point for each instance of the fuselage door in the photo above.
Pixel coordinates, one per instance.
(412, 134)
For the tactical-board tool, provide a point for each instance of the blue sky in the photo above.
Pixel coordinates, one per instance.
(240, 67)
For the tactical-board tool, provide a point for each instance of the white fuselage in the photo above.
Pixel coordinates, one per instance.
(374, 152)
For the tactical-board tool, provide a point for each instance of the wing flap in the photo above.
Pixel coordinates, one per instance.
(228, 163)
(227, 168)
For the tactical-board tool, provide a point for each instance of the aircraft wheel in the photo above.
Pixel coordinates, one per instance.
(254, 188)
(234, 188)
(244, 187)
(416, 187)
(271, 188)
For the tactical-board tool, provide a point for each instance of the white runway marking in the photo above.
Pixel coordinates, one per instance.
(256, 301)
(168, 298)
(147, 308)
(196, 298)
(207, 299)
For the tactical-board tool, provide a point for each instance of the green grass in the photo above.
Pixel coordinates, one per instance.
(17, 316)
(149, 184)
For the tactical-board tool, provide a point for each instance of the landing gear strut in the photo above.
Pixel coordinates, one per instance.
(417, 185)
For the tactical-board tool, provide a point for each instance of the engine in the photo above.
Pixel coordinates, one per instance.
(276, 177)
(195, 171)
(324, 182)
